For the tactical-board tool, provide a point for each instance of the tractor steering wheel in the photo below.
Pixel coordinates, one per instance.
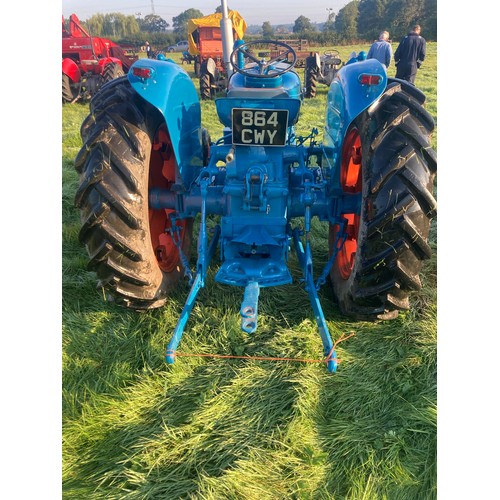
(265, 69)
(329, 53)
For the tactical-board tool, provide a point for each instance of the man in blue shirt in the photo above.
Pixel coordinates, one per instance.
(381, 50)
(410, 55)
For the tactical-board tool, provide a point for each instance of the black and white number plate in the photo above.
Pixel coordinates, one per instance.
(259, 127)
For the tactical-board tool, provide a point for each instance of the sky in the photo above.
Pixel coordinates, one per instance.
(254, 12)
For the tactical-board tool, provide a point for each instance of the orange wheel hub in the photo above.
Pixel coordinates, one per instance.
(162, 169)
(351, 182)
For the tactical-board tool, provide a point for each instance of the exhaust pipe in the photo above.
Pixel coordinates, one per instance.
(226, 28)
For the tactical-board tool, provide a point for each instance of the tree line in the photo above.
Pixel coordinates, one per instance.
(358, 20)
(362, 20)
(136, 29)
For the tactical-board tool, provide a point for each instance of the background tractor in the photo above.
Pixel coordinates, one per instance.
(88, 62)
(300, 47)
(320, 69)
(205, 38)
(148, 169)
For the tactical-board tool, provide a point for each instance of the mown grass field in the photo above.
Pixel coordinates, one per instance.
(136, 428)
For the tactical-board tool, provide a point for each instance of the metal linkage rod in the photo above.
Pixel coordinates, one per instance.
(204, 256)
(339, 243)
(198, 284)
(305, 258)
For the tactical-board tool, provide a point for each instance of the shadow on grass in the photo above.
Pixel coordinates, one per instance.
(114, 364)
(157, 444)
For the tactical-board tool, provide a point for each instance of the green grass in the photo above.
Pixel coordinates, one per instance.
(134, 427)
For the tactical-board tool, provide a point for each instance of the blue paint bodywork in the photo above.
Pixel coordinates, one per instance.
(172, 92)
(347, 99)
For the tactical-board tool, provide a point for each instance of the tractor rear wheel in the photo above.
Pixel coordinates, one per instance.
(310, 77)
(388, 160)
(127, 151)
(112, 71)
(68, 93)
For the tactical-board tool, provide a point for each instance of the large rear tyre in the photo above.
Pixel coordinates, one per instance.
(310, 77)
(126, 151)
(112, 71)
(387, 158)
(68, 92)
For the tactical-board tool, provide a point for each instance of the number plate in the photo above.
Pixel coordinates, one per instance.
(259, 127)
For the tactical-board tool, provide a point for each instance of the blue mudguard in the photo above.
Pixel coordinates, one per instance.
(170, 89)
(348, 96)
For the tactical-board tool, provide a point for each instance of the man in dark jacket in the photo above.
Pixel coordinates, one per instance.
(409, 55)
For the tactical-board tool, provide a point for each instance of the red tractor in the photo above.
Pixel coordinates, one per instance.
(88, 62)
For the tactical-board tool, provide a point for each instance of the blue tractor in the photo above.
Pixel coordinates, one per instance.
(148, 168)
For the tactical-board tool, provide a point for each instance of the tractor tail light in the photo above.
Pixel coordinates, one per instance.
(366, 79)
(142, 72)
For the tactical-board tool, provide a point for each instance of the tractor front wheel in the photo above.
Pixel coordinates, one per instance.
(112, 71)
(388, 162)
(127, 151)
(310, 77)
(68, 92)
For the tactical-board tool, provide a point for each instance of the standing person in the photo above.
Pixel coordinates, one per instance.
(409, 55)
(148, 50)
(381, 50)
